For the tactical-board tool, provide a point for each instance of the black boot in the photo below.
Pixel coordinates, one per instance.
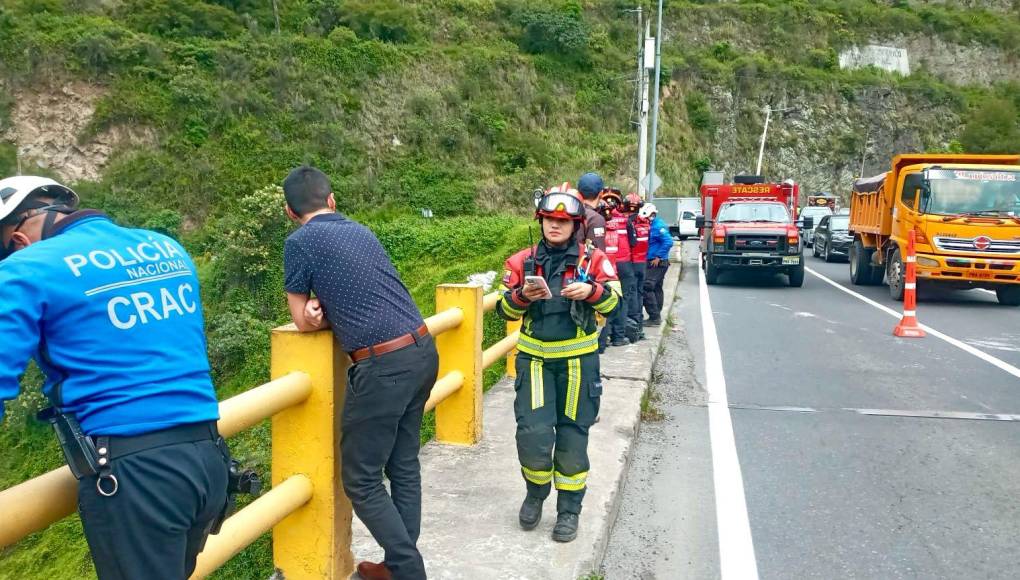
(531, 513)
(566, 527)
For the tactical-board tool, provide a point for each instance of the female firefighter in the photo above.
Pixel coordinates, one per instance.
(558, 385)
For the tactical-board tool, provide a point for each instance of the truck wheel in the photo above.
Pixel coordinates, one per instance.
(796, 275)
(897, 276)
(877, 275)
(1008, 295)
(860, 264)
(711, 273)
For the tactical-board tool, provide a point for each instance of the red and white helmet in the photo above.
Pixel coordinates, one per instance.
(561, 202)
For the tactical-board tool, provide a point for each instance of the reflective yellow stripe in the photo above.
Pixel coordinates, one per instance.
(615, 285)
(537, 385)
(571, 482)
(573, 388)
(509, 308)
(559, 349)
(608, 304)
(537, 477)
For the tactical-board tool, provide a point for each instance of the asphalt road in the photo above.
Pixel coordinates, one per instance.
(800, 439)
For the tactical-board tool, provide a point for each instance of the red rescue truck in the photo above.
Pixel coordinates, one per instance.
(750, 224)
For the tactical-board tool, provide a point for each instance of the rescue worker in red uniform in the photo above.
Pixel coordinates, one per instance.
(638, 229)
(619, 251)
(558, 385)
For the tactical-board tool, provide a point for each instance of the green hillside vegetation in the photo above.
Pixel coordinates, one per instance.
(460, 106)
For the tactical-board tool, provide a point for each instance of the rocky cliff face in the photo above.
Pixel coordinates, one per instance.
(48, 125)
(824, 139)
(831, 130)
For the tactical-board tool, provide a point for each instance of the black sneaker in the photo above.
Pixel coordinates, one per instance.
(566, 528)
(652, 322)
(531, 513)
(620, 342)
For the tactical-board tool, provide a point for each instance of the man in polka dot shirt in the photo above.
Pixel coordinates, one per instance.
(359, 294)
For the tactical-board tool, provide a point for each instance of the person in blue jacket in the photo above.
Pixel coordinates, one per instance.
(113, 318)
(659, 243)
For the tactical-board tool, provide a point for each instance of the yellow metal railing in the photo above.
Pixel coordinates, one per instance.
(306, 508)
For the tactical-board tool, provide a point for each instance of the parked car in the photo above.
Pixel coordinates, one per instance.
(832, 237)
(686, 227)
(816, 213)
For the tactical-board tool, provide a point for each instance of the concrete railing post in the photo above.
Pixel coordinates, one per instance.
(314, 542)
(459, 417)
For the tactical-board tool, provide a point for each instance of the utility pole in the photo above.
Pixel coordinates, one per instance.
(761, 149)
(864, 150)
(655, 112)
(768, 117)
(643, 105)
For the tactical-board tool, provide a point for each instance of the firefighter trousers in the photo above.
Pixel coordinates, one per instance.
(557, 401)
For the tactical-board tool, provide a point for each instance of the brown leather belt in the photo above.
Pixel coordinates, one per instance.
(390, 345)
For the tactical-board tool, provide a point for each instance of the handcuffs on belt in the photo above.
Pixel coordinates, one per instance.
(84, 457)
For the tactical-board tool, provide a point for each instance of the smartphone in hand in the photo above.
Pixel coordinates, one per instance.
(540, 282)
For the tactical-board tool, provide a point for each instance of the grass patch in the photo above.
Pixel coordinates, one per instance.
(650, 411)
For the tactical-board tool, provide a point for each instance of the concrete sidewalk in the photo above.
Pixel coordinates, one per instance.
(471, 494)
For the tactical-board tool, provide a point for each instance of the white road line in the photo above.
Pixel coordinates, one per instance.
(931, 331)
(736, 548)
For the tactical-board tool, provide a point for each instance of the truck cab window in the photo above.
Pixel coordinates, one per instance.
(911, 184)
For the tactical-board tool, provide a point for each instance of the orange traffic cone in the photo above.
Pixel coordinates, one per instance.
(908, 326)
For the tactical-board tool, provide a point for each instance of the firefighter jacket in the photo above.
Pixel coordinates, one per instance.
(617, 238)
(557, 327)
(639, 228)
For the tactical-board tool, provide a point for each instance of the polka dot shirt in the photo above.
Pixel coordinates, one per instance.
(344, 264)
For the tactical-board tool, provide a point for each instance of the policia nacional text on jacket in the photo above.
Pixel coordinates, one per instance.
(113, 317)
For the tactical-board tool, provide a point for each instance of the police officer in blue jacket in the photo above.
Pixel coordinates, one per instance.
(113, 318)
(660, 241)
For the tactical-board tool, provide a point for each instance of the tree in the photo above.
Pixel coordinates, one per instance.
(993, 128)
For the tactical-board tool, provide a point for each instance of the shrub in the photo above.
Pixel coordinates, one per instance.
(180, 18)
(165, 221)
(554, 32)
(248, 242)
(993, 128)
(385, 20)
(698, 113)
(422, 183)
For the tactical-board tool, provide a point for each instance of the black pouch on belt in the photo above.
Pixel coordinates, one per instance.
(239, 481)
(79, 451)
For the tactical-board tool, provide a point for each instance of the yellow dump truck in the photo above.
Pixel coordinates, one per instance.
(965, 212)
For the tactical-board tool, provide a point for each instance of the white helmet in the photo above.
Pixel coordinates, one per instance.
(15, 190)
(647, 210)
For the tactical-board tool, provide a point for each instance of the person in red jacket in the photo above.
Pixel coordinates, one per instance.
(638, 229)
(558, 384)
(618, 250)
